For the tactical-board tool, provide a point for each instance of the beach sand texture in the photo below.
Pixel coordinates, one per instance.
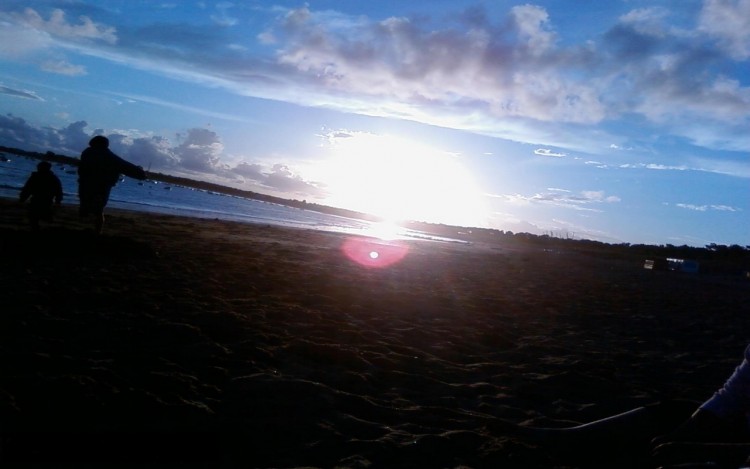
(173, 340)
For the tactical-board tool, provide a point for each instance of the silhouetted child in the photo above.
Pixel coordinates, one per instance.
(44, 189)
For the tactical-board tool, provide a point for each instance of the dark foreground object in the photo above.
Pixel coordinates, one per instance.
(169, 341)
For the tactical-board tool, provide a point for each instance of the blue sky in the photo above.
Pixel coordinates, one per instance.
(621, 121)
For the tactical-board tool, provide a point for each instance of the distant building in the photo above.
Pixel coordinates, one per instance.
(684, 265)
(656, 264)
(673, 264)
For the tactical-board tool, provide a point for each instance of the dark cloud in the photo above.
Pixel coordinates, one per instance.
(70, 140)
(200, 150)
(73, 138)
(671, 81)
(19, 93)
(17, 133)
(153, 152)
(251, 171)
(282, 179)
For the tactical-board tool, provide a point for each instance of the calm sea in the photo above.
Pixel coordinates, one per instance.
(152, 196)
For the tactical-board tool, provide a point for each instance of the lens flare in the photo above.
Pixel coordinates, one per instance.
(375, 253)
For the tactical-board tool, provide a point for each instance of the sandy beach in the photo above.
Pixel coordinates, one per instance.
(172, 341)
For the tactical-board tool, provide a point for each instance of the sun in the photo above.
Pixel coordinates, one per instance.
(399, 179)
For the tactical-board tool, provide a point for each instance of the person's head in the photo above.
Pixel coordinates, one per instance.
(44, 167)
(100, 141)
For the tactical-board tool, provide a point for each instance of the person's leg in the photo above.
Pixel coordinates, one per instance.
(84, 203)
(34, 220)
(93, 203)
(101, 202)
(36, 213)
(99, 222)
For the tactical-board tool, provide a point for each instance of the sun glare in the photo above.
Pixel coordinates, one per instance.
(385, 230)
(399, 179)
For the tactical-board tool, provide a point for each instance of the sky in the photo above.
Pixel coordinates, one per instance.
(623, 121)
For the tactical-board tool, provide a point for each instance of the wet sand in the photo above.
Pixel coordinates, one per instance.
(171, 341)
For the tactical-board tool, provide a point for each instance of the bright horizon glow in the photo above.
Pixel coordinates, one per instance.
(399, 179)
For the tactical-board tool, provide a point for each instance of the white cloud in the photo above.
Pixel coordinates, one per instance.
(222, 17)
(563, 198)
(62, 67)
(131, 98)
(17, 41)
(739, 169)
(705, 208)
(729, 22)
(548, 152)
(599, 196)
(662, 167)
(645, 16)
(267, 37)
(597, 164)
(409, 64)
(534, 28)
(58, 26)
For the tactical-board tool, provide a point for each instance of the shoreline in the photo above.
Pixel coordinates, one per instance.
(226, 344)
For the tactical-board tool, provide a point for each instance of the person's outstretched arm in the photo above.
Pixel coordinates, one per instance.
(711, 433)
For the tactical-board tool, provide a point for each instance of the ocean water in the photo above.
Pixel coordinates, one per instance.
(157, 197)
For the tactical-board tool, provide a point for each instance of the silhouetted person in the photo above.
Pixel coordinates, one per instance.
(98, 171)
(44, 189)
(716, 434)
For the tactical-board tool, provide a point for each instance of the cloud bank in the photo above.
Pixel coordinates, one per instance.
(197, 154)
(513, 77)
